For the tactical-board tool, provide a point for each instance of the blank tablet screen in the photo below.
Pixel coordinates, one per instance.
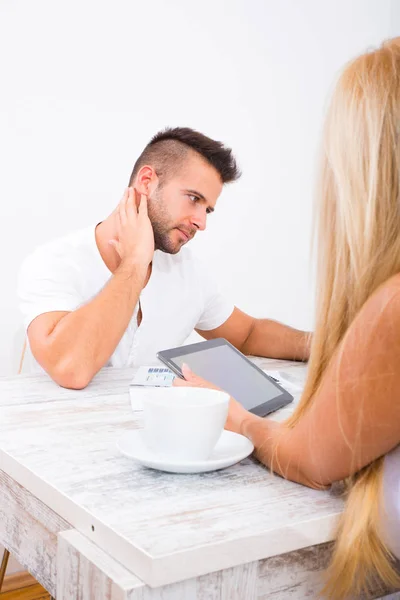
(224, 367)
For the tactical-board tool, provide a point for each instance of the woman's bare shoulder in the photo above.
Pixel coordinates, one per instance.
(381, 314)
(392, 284)
(387, 296)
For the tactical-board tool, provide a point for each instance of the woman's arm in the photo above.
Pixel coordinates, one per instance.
(355, 415)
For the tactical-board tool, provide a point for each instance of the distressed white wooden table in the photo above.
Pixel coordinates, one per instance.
(90, 523)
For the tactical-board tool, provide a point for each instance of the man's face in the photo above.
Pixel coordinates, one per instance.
(179, 208)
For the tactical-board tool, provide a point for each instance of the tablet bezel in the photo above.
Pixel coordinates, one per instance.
(281, 400)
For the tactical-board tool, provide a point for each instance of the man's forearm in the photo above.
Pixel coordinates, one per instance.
(83, 341)
(274, 340)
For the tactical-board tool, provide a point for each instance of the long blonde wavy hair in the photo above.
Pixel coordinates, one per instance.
(358, 241)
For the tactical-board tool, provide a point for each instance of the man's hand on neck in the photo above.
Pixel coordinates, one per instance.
(125, 239)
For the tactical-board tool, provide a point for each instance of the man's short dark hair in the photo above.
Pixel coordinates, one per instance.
(168, 149)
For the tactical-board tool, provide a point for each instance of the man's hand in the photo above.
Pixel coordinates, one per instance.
(237, 415)
(135, 237)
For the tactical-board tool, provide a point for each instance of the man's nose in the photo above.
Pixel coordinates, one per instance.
(199, 220)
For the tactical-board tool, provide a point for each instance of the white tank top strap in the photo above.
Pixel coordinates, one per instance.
(391, 501)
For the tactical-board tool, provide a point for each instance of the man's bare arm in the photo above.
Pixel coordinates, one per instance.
(262, 337)
(73, 346)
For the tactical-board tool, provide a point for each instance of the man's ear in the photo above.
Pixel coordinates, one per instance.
(146, 180)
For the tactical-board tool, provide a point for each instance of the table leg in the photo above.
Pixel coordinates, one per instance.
(3, 567)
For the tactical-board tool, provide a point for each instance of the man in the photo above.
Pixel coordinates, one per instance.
(116, 293)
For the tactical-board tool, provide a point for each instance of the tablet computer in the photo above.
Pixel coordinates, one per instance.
(220, 363)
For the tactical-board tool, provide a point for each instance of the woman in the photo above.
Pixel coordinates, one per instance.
(347, 424)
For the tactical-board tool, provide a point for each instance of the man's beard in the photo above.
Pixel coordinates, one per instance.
(162, 224)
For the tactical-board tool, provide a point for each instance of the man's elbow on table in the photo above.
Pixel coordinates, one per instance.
(62, 359)
(66, 371)
(70, 375)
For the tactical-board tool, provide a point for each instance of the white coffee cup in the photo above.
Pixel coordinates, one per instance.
(184, 423)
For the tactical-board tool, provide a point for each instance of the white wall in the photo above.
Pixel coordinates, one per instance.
(85, 84)
(395, 18)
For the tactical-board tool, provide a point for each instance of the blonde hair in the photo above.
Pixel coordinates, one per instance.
(358, 240)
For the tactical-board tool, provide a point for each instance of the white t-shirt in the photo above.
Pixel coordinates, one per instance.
(67, 273)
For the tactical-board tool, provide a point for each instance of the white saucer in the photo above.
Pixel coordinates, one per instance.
(230, 449)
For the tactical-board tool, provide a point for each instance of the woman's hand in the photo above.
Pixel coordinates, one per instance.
(265, 434)
(237, 415)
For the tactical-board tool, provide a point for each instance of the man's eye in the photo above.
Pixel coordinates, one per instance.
(193, 198)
